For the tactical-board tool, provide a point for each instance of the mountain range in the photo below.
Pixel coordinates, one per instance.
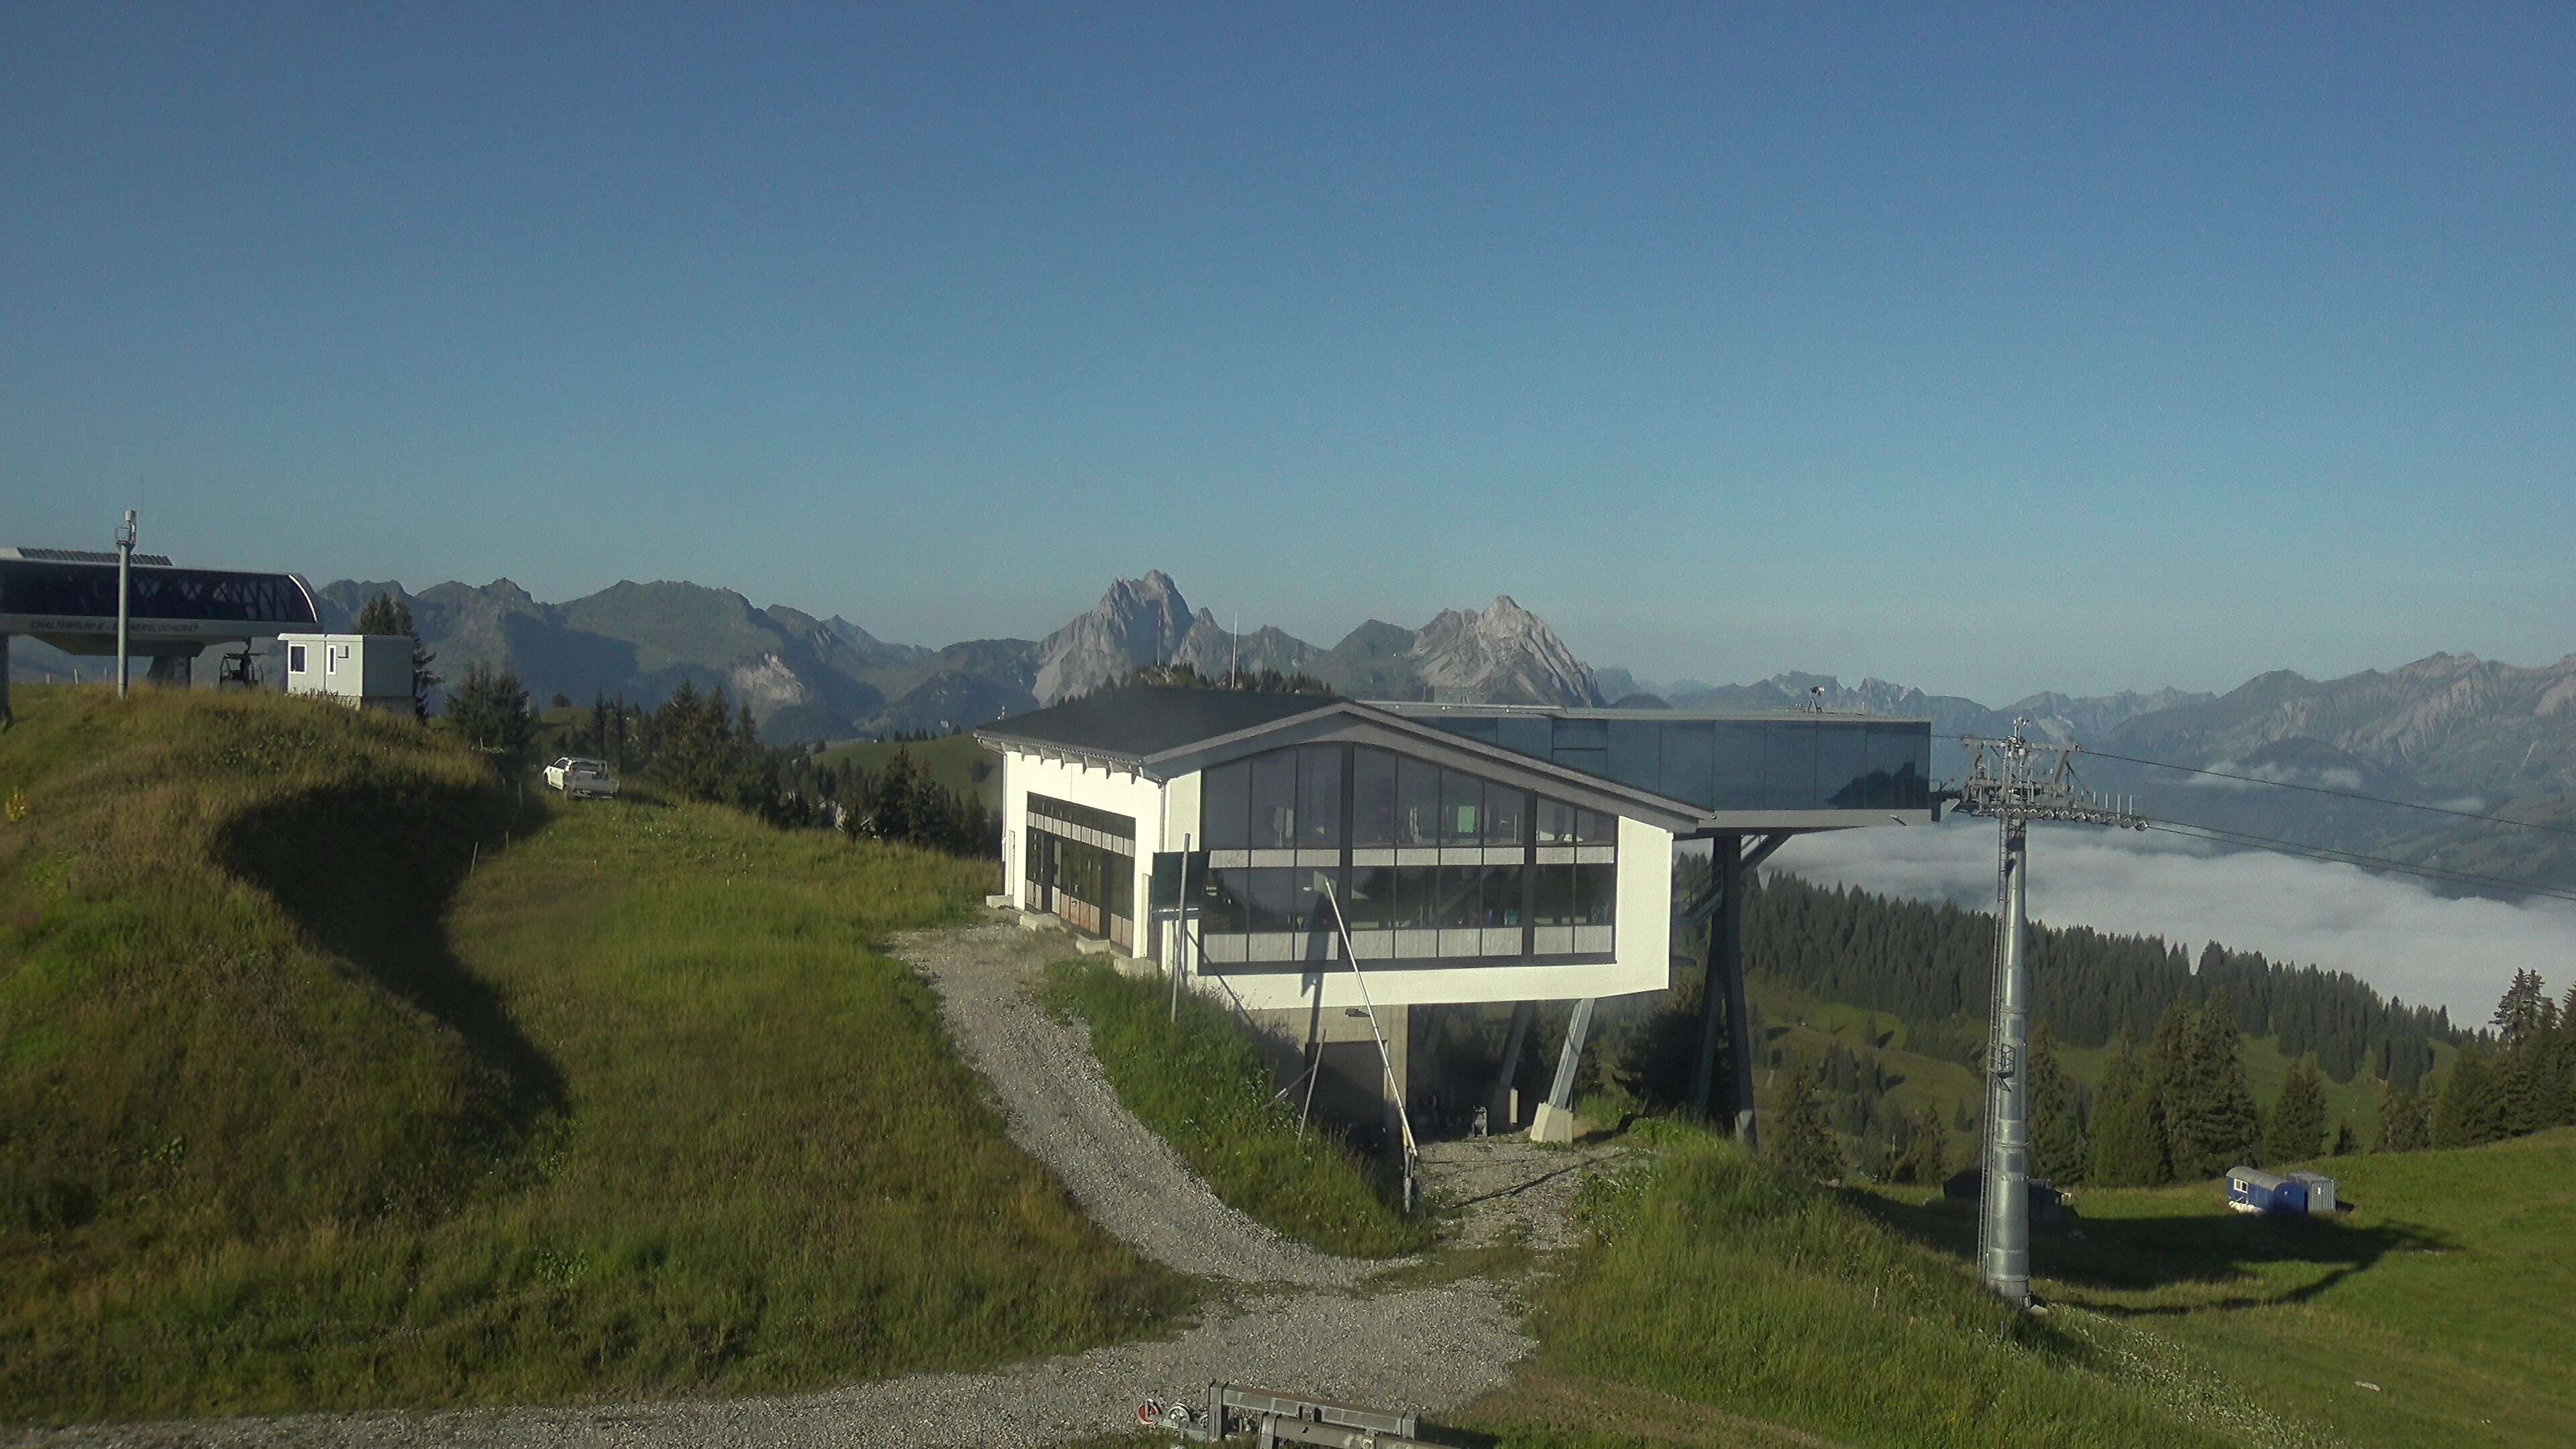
(2450, 731)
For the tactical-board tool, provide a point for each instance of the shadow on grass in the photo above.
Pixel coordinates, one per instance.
(369, 873)
(2178, 1263)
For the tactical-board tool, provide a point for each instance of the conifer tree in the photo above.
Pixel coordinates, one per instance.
(1921, 1153)
(895, 792)
(2471, 1108)
(2211, 1124)
(2128, 1126)
(490, 713)
(2401, 1121)
(2058, 1150)
(2297, 1127)
(1802, 1145)
(385, 614)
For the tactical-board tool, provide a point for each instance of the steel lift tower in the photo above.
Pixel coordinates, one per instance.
(2013, 782)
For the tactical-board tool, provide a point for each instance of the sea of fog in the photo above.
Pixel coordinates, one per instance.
(2390, 931)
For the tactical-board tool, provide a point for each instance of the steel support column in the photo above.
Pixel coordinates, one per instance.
(1577, 1027)
(1739, 1016)
(1725, 858)
(2004, 1226)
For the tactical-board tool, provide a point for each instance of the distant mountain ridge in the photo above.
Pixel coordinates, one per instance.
(2449, 729)
(805, 677)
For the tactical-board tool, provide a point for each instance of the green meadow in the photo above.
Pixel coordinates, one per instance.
(337, 1077)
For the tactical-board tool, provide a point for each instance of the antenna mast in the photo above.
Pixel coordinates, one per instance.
(2014, 781)
(124, 593)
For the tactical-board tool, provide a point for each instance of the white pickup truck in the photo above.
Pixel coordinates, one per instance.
(577, 777)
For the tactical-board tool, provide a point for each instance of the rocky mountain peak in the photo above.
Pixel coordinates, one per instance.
(1503, 655)
(1137, 621)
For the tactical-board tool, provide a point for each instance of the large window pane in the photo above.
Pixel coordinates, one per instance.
(1842, 760)
(1636, 752)
(1789, 766)
(1690, 762)
(1596, 894)
(1417, 795)
(1462, 804)
(1319, 797)
(1594, 828)
(1372, 903)
(1900, 759)
(1373, 798)
(1738, 765)
(1461, 902)
(1272, 893)
(1274, 800)
(1506, 816)
(1552, 896)
(1555, 823)
(1221, 911)
(1502, 895)
(1417, 892)
(1582, 734)
(1224, 797)
(1529, 734)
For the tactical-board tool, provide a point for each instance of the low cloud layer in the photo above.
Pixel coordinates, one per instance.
(2389, 931)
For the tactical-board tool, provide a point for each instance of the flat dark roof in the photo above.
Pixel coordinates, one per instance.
(1140, 719)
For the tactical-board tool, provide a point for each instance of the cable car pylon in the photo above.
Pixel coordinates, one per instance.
(2014, 781)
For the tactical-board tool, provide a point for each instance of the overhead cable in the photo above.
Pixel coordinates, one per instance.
(2190, 831)
(2339, 794)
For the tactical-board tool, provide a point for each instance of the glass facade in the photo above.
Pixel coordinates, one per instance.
(1806, 762)
(1426, 863)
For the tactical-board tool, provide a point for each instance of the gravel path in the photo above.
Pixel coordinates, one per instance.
(1432, 1348)
(1294, 1324)
(1062, 1112)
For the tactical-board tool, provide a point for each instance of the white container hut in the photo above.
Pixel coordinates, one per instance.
(364, 671)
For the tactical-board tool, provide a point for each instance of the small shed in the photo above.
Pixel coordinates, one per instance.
(363, 671)
(2321, 1190)
(2251, 1190)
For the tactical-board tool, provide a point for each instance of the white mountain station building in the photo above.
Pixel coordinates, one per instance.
(1466, 853)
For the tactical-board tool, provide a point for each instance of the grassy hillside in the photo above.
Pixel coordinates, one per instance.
(635, 1109)
(1721, 1304)
(2440, 1309)
(189, 1056)
(954, 762)
(1196, 1077)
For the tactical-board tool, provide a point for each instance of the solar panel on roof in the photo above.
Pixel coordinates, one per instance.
(86, 555)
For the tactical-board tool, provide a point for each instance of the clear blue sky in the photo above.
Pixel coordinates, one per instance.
(1988, 351)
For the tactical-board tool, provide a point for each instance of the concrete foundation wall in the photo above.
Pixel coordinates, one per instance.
(1353, 1070)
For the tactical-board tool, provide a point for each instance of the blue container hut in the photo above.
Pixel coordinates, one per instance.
(2250, 1190)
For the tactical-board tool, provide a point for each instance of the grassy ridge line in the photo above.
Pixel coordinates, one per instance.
(1716, 1282)
(753, 1161)
(184, 1059)
(1200, 1083)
